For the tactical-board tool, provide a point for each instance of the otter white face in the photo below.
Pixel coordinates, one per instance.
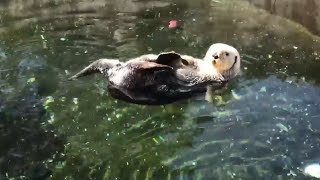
(224, 58)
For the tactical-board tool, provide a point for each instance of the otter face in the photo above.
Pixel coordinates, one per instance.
(224, 58)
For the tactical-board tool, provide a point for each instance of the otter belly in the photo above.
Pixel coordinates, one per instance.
(119, 77)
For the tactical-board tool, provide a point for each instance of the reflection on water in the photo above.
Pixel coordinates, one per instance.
(264, 125)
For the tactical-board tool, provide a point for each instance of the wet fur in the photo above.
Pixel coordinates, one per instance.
(154, 79)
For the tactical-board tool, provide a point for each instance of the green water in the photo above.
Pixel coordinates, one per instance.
(264, 126)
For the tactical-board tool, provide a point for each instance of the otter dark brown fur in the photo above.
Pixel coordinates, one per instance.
(152, 78)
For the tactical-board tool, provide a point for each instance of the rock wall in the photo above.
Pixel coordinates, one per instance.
(306, 12)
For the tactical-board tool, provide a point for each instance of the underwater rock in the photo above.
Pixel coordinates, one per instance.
(25, 143)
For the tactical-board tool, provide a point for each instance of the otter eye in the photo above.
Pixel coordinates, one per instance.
(215, 57)
(185, 62)
(227, 54)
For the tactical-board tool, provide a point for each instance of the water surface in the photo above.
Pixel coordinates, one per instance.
(265, 125)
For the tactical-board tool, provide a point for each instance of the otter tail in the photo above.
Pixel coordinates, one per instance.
(98, 66)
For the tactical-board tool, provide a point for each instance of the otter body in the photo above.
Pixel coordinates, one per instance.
(167, 77)
(151, 79)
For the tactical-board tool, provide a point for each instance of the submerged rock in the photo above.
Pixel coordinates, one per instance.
(25, 142)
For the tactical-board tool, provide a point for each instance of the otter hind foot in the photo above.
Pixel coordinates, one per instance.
(98, 66)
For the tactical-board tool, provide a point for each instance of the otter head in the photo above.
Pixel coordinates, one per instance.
(224, 58)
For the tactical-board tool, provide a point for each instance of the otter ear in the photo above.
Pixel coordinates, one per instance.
(168, 58)
(185, 62)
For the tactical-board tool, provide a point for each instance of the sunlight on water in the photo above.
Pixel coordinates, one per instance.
(265, 125)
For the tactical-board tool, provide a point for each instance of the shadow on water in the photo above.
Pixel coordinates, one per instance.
(265, 124)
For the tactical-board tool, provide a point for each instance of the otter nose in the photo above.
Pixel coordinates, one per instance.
(215, 56)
